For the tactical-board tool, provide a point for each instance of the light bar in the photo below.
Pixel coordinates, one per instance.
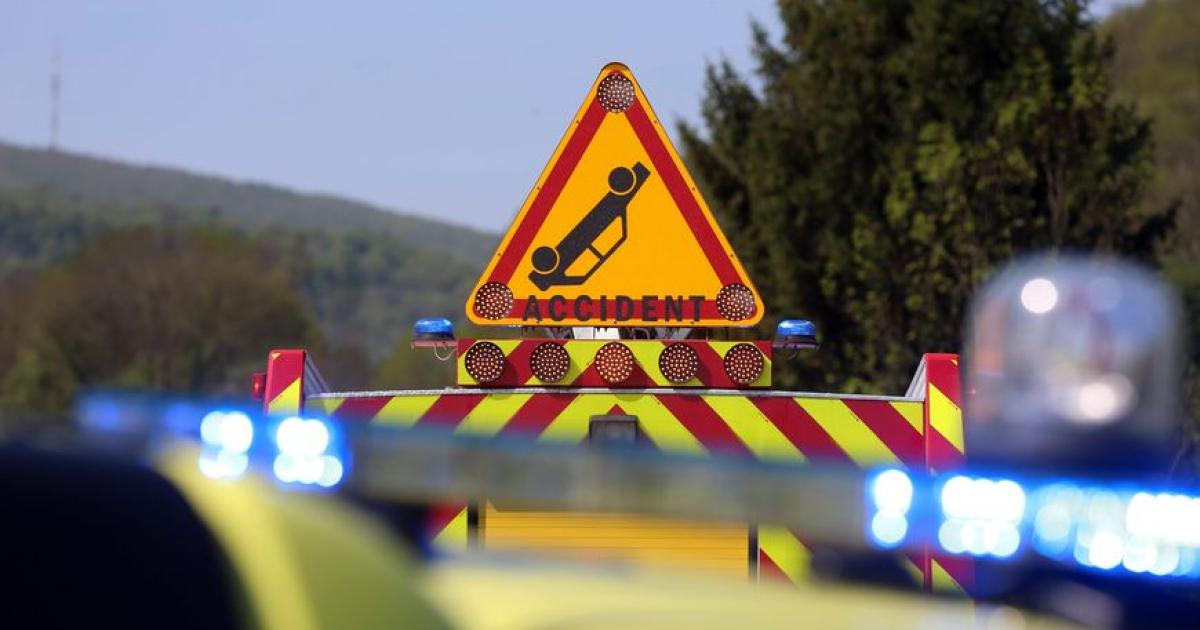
(1101, 527)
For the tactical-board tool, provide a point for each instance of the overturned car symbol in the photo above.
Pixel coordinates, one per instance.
(552, 264)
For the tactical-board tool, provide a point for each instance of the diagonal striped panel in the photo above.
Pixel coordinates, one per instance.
(491, 414)
(448, 526)
(754, 429)
(799, 427)
(848, 431)
(892, 428)
(537, 413)
(284, 390)
(945, 417)
(696, 416)
(449, 410)
(657, 422)
(324, 406)
(360, 407)
(913, 413)
(766, 427)
(944, 451)
(405, 410)
(571, 425)
(784, 554)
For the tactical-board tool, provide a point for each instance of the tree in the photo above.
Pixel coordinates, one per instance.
(190, 311)
(897, 150)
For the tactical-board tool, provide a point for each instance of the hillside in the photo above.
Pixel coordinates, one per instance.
(243, 205)
(366, 274)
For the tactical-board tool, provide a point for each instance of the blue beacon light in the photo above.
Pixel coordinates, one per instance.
(795, 334)
(433, 329)
(436, 333)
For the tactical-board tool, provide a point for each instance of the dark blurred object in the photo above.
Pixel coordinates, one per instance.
(92, 542)
(1072, 365)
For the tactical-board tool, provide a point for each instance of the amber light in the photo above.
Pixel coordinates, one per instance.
(614, 361)
(615, 93)
(735, 302)
(679, 363)
(484, 361)
(493, 300)
(744, 363)
(549, 362)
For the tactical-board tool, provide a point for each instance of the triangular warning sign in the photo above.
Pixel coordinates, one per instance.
(615, 232)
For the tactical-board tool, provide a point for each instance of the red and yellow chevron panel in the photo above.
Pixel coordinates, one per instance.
(922, 431)
(765, 425)
(944, 452)
(581, 372)
(284, 391)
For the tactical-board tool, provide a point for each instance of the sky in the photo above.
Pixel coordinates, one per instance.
(447, 110)
(444, 109)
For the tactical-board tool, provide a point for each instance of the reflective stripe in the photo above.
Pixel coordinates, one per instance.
(785, 551)
(855, 438)
(491, 414)
(758, 433)
(945, 417)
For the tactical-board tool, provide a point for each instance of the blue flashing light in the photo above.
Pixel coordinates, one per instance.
(981, 517)
(1100, 528)
(227, 437)
(892, 492)
(227, 430)
(888, 530)
(306, 453)
(434, 327)
(223, 463)
(890, 496)
(799, 329)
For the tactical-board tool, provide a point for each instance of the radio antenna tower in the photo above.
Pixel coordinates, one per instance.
(55, 80)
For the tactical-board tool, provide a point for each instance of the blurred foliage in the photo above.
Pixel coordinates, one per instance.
(147, 192)
(364, 288)
(1157, 66)
(888, 154)
(148, 308)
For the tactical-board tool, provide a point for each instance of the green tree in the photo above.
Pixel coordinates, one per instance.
(190, 311)
(895, 151)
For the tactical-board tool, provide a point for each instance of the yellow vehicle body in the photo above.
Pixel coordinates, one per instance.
(305, 561)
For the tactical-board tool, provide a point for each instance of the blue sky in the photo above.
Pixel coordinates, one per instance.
(445, 109)
(442, 109)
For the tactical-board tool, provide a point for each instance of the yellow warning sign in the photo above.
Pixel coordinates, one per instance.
(615, 232)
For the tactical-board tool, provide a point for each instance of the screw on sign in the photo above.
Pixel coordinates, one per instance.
(744, 363)
(679, 363)
(614, 361)
(549, 362)
(735, 302)
(615, 93)
(484, 361)
(493, 300)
